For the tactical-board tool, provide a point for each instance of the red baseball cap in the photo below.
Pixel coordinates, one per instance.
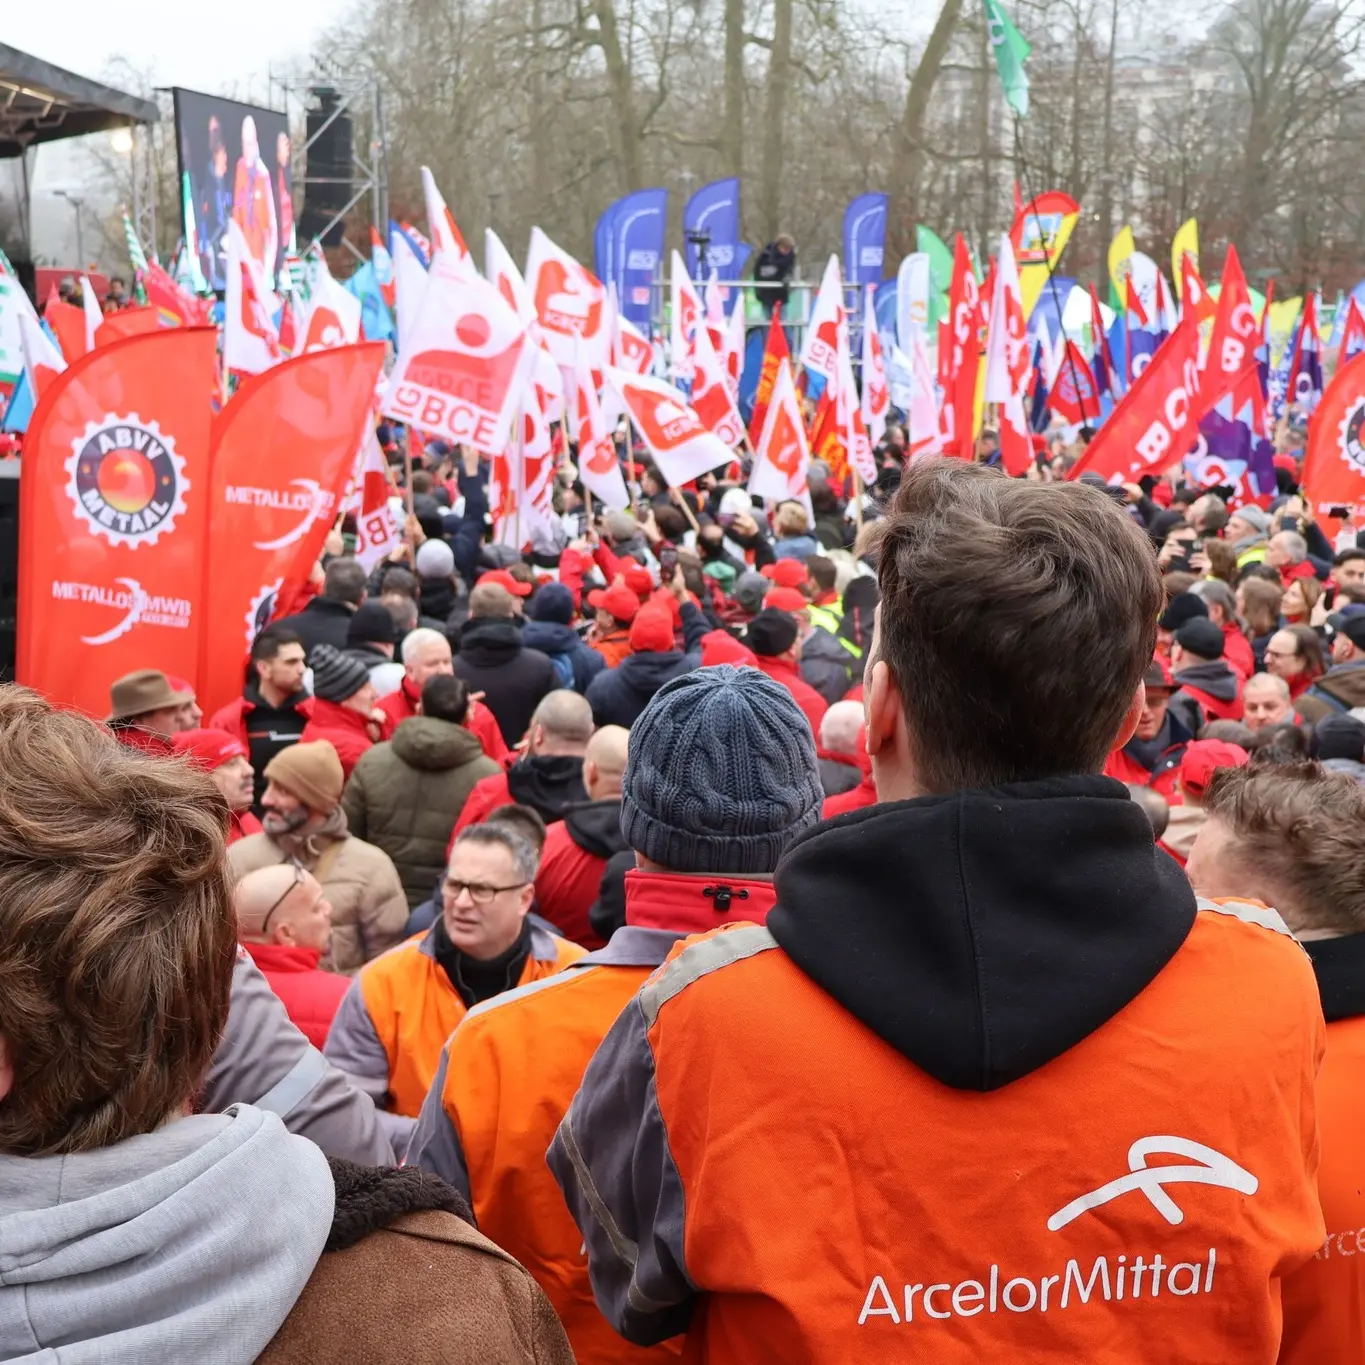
(719, 648)
(786, 573)
(186, 689)
(652, 632)
(617, 599)
(785, 599)
(505, 580)
(1203, 757)
(209, 749)
(638, 580)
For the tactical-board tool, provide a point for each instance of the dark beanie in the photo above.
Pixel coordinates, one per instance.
(1184, 606)
(552, 602)
(1339, 737)
(336, 676)
(721, 774)
(1200, 636)
(371, 624)
(771, 633)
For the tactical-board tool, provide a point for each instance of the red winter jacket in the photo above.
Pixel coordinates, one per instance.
(812, 704)
(571, 867)
(144, 741)
(480, 722)
(310, 996)
(489, 793)
(347, 731)
(864, 794)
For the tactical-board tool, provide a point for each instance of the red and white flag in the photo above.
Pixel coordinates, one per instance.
(598, 466)
(849, 412)
(876, 393)
(42, 359)
(377, 532)
(782, 459)
(251, 344)
(504, 276)
(711, 393)
(714, 296)
(686, 316)
(1007, 362)
(820, 348)
(331, 317)
(570, 302)
(733, 355)
(464, 365)
(94, 316)
(631, 349)
(447, 243)
(677, 438)
(409, 284)
(923, 432)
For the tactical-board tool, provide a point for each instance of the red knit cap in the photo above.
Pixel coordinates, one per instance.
(651, 632)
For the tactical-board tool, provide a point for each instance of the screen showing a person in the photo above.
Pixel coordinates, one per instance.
(234, 164)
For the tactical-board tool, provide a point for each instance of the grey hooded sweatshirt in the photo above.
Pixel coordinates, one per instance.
(187, 1244)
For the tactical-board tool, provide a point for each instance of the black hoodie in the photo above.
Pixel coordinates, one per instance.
(549, 783)
(984, 933)
(1215, 677)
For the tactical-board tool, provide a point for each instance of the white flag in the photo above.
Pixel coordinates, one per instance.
(685, 317)
(876, 394)
(94, 318)
(677, 438)
(782, 460)
(570, 302)
(250, 342)
(820, 347)
(598, 465)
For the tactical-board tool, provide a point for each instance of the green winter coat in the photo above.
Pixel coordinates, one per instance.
(405, 796)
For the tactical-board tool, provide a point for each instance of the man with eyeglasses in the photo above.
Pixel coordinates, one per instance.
(395, 1018)
(284, 921)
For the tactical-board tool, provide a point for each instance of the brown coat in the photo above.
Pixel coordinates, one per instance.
(369, 909)
(406, 1281)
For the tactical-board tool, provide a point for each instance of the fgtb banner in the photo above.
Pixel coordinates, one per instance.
(282, 451)
(114, 512)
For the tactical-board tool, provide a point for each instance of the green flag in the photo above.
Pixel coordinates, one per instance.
(1011, 50)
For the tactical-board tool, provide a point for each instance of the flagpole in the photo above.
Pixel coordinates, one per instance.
(857, 498)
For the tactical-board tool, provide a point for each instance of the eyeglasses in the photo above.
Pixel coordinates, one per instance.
(288, 891)
(479, 892)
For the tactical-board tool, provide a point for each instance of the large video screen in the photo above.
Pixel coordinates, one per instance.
(234, 163)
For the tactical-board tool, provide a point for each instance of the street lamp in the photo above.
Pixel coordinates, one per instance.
(76, 202)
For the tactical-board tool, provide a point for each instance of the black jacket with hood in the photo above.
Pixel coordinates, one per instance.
(493, 660)
(1215, 677)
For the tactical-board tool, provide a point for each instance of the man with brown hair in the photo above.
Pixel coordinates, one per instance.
(986, 1030)
(1293, 836)
(133, 1228)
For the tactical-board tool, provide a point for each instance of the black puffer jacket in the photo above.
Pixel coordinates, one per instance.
(493, 660)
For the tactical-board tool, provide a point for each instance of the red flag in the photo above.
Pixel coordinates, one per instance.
(1133, 302)
(1074, 397)
(127, 322)
(281, 454)
(1236, 334)
(1192, 292)
(775, 351)
(1157, 420)
(114, 517)
(177, 307)
(68, 322)
(1334, 467)
(964, 363)
(1353, 335)
(826, 442)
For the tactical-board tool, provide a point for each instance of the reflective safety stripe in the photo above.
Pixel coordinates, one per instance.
(720, 950)
(295, 1085)
(1247, 911)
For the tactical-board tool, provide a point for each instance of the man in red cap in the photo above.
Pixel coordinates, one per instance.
(618, 695)
(786, 573)
(616, 608)
(1201, 760)
(1152, 757)
(224, 757)
(519, 590)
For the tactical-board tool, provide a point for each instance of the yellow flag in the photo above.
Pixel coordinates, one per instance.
(1120, 251)
(1185, 242)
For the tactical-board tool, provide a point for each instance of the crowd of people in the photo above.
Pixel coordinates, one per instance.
(921, 927)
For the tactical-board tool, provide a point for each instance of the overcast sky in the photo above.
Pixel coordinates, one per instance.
(172, 39)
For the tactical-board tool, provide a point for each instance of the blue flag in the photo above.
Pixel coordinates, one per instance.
(374, 313)
(628, 245)
(864, 240)
(712, 212)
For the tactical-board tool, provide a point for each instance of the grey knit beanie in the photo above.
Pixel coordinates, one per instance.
(336, 676)
(721, 774)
